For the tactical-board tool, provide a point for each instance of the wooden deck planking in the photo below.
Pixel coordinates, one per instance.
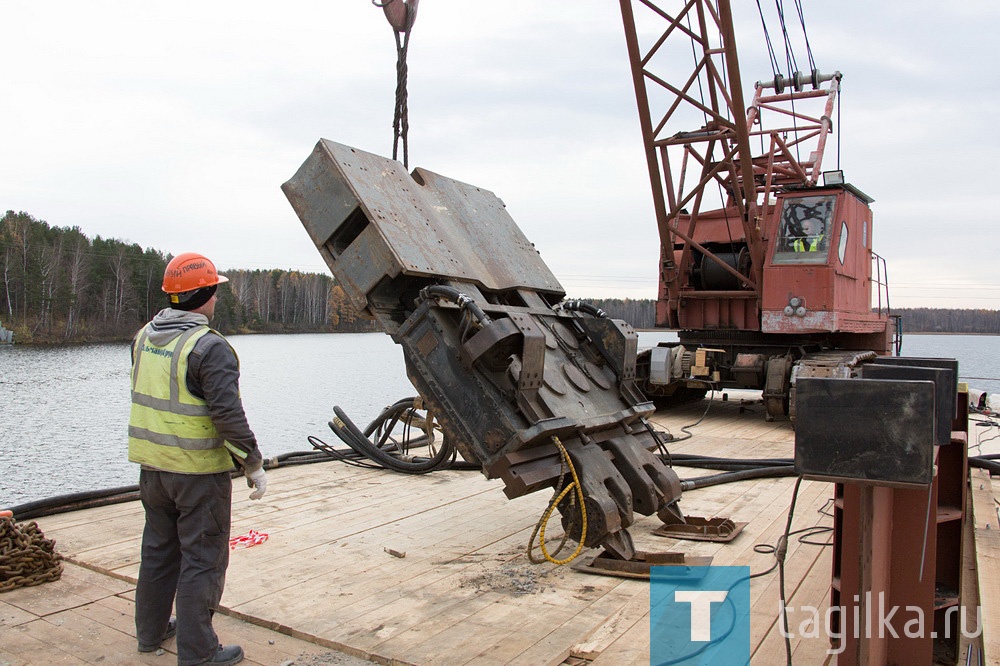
(498, 579)
(354, 538)
(430, 593)
(102, 631)
(11, 616)
(763, 591)
(78, 587)
(323, 575)
(548, 611)
(19, 647)
(807, 582)
(365, 553)
(559, 641)
(983, 505)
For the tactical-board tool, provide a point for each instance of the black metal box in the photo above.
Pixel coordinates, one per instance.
(944, 398)
(924, 362)
(875, 431)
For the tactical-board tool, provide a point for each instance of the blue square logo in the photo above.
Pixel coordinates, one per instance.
(699, 615)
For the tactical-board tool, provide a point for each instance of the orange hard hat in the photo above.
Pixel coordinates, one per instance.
(190, 271)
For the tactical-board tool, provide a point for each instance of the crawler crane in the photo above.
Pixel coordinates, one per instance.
(777, 281)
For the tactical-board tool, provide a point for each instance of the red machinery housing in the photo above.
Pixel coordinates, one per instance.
(778, 277)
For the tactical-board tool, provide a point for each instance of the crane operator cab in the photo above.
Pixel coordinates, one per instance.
(818, 273)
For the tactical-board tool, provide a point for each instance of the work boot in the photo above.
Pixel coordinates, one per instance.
(169, 633)
(226, 656)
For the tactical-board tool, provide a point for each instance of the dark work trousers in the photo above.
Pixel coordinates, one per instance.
(185, 552)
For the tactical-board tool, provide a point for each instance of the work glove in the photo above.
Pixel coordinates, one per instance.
(258, 481)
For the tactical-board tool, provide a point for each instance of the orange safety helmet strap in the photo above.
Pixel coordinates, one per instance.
(190, 271)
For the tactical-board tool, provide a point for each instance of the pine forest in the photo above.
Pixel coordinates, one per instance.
(58, 285)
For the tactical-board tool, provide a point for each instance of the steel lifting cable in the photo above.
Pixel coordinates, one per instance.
(789, 51)
(694, 59)
(805, 35)
(775, 70)
(839, 132)
(792, 68)
(402, 23)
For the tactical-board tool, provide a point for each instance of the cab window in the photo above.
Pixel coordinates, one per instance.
(804, 230)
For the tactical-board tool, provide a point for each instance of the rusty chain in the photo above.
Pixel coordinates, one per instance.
(26, 557)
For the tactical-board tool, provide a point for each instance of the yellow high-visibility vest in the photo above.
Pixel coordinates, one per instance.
(169, 428)
(799, 244)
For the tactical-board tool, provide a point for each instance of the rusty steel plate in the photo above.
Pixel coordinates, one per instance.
(375, 219)
(639, 566)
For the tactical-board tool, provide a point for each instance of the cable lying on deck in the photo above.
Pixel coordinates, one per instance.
(389, 451)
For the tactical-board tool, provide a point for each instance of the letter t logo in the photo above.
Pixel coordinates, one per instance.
(701, 610)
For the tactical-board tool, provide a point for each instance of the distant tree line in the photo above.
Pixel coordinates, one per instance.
(641, 313)
(59, 285)
(277, 301)
(943, 320)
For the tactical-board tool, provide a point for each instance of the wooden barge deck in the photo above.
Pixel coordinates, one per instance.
(325, 588)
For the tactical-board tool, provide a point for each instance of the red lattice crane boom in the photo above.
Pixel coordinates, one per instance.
(732, 222)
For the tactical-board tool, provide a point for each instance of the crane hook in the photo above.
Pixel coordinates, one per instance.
(401, 13)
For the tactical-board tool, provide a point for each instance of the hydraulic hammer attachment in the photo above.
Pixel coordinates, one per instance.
(512, 373)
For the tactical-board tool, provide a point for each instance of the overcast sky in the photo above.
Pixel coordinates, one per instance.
(173, 125)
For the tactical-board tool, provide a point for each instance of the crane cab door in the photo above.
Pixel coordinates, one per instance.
(817, 276)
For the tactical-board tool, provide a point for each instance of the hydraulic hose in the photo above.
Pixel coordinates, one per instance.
(74, 501)
(743, 475)
(581, 306)
(457, 297)
(359, 441)
(725, 464)
(981, 462)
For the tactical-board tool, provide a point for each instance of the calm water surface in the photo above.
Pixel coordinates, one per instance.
(64, 410)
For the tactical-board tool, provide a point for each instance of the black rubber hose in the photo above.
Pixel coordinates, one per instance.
(107, 496)
(730, 477)
(723, 467)
(581, 306)
(30, 514)
(733, 462)
(291, 456)
(73, 501)
(312, 457)
(756, 469)
(457, 297)
(990, 465)
(353, 437)
(94, 498)
(391, 415)
(725, 464)
(758, 462)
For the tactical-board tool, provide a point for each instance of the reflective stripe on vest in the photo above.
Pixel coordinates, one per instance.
(170, 428)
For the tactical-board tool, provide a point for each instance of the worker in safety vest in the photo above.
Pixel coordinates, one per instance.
(813, 239)
(187, 429)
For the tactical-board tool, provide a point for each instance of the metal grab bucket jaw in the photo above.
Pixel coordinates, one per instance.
(450, 276)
